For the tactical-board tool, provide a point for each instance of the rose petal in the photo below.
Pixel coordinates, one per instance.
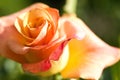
(9, 41)
(88, 57)
(69, 30)
(40, 36)
(37, 67)
(20, 28)
(54, 15)
(53, 26)
(52, 51)
(48, 67)
(88, 62)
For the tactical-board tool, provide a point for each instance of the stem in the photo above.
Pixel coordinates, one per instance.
(70, 6)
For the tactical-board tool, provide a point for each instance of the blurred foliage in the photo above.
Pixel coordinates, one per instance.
(102, 16)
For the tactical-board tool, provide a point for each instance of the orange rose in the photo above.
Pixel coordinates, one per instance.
(39, 40)
(45, 45)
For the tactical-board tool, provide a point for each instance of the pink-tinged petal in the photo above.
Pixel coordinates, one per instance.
(88, 57)
(48, 67)
(39, 53)
(69, 29)
(9, 38)
(37, 67)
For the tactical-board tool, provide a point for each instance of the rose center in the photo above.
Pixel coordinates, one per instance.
(35, 27)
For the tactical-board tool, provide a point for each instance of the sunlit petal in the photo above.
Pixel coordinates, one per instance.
(88, 57)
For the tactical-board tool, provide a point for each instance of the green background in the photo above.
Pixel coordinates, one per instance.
(102, 16)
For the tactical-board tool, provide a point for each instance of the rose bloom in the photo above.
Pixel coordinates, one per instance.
(45, 44)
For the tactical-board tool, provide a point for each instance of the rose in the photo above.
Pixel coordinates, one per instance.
(45, 39)
(44, 44)
(38, 40)
(13, 37)
(38, 27)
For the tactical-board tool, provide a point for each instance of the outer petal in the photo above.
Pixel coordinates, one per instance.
(88, 57)
(9, 36)
(48, 67)
(70, 30)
